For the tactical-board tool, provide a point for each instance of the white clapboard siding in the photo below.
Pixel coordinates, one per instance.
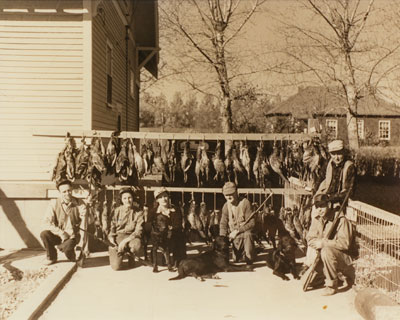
(41, 87)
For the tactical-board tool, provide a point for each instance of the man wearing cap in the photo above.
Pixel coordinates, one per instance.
(164, 206)
(126, 230)
(335, 251)
(236, 224)
(61, 223)
(340, 174)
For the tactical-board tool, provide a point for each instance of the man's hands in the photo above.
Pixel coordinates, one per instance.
(318, 244)
(233, 234)
(64, 236)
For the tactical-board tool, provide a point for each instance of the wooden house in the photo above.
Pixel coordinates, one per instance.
(319, 109)
(64, 65)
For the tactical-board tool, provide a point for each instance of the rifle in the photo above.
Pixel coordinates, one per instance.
(329, 234)
(258, 209)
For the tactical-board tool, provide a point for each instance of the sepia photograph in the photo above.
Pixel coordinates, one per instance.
(200, 159)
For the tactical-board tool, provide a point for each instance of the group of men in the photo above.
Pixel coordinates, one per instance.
(63, 223)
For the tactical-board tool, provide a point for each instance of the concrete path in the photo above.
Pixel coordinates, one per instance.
(98, 292)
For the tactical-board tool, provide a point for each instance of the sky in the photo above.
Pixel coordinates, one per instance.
(260, 36)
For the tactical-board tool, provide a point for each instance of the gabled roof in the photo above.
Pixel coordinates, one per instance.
(318, 101)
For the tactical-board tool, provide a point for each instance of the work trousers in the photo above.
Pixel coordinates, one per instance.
(332, 262)
(243, 246)
(50, 241)
(133, 247)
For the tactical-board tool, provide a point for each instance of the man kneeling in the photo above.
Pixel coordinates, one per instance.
(126, 230)
(336, 251)
(62, 220)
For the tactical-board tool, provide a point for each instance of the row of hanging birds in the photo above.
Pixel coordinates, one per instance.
(247, 164)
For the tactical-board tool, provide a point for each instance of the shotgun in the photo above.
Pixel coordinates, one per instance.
(329, 234)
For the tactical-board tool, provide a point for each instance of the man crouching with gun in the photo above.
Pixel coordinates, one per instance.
(331, 234)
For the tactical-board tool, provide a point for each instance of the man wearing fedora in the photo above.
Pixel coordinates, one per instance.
(236, 224)
(61, 223)
(126, 230)
(340, 174)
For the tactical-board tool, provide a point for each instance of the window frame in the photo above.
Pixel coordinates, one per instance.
(360, 129)
(380, 130)
(327, 127)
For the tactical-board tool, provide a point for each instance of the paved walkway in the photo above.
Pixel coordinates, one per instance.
(98, 292)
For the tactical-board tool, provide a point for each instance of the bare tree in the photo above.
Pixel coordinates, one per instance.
(207, 53)
(341, 44)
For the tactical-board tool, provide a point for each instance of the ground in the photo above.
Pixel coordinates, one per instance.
(98, 292)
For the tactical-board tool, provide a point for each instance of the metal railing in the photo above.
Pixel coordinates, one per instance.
(378, 237)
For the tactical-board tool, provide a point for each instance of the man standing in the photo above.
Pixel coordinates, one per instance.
(126, 230)
(62, 221)
(340, 175)
(235, 222)
(335, 251)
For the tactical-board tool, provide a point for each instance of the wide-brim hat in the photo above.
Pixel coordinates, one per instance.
(335, 145)
(229, 188)
(159, 191)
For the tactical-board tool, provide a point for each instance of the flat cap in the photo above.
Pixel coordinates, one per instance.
(159, 191)
(335, 145)
(229, 188)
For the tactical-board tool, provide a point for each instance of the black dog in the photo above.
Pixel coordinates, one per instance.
(210, 262)
(282, 260)
(160, 238)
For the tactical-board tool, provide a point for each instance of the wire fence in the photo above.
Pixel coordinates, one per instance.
(378, 237)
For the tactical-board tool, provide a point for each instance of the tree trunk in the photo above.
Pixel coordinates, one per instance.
(352, 132)
(226, 115)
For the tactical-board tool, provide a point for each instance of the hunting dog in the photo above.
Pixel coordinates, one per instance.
(160, 239)
(207, 264)
(267, 226)
(282, 259)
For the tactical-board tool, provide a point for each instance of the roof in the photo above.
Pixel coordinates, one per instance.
(318, 101)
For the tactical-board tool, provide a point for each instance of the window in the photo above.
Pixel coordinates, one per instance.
(331, 129)
(109, 72)
(384, 130)
(132, 84)
(360, 129)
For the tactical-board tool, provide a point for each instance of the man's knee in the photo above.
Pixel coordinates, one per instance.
(46, 234)
(134, 245)
(327, 253)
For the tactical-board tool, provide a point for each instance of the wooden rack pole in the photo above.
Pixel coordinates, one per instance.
(177, 136)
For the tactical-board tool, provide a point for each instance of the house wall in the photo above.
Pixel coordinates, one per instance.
(109, 26)
(41, 88)
(371, 127)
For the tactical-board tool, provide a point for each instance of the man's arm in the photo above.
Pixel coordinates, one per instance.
(50, 220)
(223, 224)
(314, 235)
(343, 237)
(247, 211)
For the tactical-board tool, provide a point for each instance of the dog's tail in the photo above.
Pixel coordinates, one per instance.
(178, 277)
